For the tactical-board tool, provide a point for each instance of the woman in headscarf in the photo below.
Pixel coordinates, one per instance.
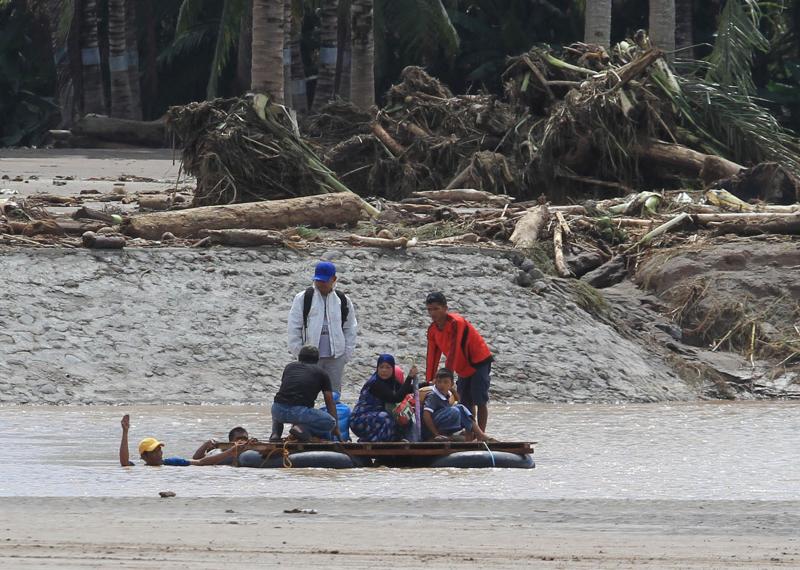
(371, 421)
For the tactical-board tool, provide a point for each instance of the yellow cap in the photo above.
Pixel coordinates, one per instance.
(149, 444)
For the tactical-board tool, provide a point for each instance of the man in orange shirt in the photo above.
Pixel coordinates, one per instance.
(465, 352)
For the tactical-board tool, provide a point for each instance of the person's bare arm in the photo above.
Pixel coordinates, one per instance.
(218, 458)
(331, 406)
(205, 448)
(124, 458)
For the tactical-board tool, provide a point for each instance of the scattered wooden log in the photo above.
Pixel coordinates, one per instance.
(745, 217)
(311, 211)
(558, 252)
(155, 202)
(454, 240)
(682, 160)
(84, 212)
(528, 228)
(660, 230)
(463, 195)
(37, 227)
(243, 238)
(393, 243)
(789, 225)
(52, 199)
(77, 226)
(144, 133)
(572, 210)
(394, 147)
(95, 241)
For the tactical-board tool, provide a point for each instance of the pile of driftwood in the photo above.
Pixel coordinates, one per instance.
(580, 123)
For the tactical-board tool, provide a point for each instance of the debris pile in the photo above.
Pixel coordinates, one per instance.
(245, 150)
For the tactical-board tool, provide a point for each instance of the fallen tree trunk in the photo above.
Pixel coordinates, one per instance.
(528, 228)
(312, 211)
(683, 160)
(144, 133)
(242, 238)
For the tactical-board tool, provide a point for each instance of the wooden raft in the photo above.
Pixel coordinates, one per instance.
(391, 449)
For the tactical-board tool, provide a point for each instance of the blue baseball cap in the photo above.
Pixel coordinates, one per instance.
(324, 271)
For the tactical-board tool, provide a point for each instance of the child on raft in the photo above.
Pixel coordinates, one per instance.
(151, 452)
(442, 420)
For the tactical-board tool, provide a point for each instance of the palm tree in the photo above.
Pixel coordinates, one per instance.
(362, 67)
(662, 25)
(132, 43)
(597, 22)
(94, 100)
(684, 28)
(326, 75)
(265, 73)
(287, 51)
(121, 104)
(61, 26)
(298, 72)
(244, 54)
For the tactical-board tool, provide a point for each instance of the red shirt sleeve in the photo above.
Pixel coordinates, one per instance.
(434, 354)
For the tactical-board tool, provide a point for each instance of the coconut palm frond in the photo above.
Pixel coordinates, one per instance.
(424, 26)
(188, 15)
(186, 44)
(747, 132)
(738, 38)
(66, 11)
(227, 36)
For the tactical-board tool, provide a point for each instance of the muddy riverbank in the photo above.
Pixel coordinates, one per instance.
(189, 326)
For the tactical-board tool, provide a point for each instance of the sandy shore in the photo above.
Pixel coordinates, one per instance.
(348, 533)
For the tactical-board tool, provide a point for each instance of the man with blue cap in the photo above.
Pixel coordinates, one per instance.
(323, 317)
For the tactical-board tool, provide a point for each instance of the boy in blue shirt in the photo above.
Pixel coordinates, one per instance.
(151, 452)
(441, 419)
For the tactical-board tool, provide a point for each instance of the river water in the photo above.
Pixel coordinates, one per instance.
(709, 450)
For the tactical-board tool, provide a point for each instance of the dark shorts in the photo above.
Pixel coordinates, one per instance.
(474, 390)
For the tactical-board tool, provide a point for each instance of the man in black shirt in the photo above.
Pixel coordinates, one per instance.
(301, 383)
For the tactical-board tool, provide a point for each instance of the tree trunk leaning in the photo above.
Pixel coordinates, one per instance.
(597, 23)
(266, 71)
(362, 66)
(326, 76)
(311, 211)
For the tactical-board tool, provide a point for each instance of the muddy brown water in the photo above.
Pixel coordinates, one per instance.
(742, 451)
